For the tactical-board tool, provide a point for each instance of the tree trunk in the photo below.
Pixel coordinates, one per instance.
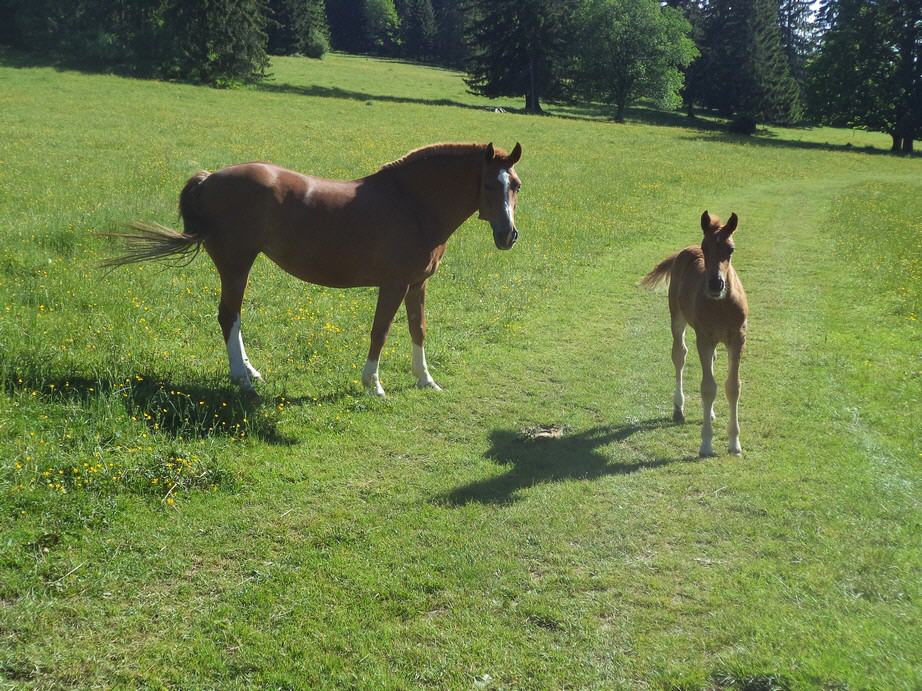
(619, 115)
(897, 143)
(907, 145)
(531, 96)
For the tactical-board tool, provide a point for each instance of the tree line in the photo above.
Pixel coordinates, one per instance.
(855, 63)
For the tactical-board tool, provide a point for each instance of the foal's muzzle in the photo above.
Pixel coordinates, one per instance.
(505, 240)
(716, 286)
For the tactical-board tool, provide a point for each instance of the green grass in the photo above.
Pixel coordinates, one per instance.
(159, 529)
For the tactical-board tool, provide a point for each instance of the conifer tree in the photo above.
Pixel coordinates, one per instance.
(449, 45)
(868, 72)
(417, 28)
(297, 26)
(743, 69)
(382, 26)
(521, 48)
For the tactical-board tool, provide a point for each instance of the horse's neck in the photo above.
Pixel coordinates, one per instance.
(446, 188)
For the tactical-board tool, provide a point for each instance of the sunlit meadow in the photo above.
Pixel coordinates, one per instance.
(539, 524)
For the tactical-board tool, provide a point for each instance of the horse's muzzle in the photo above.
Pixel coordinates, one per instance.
(505, 241)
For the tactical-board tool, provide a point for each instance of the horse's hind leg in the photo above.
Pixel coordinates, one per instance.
(708, 393)
(679, 351)
(389, 299)
(234, 275)
(732, 389)
(416, 320)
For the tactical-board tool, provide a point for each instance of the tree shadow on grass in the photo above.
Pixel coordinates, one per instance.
(536, 460)
(345, 94)
(181, 410)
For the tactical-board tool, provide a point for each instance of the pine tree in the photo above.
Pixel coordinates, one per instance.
(347, 25)
(520, 47)
(382, 26)
(743, 69)
(417, 28)
(449, 47)
(215, 42)
(798, 34)
(868, 72)
(297, 26)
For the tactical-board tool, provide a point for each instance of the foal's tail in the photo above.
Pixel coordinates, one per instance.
(660, 273)
(152, 241)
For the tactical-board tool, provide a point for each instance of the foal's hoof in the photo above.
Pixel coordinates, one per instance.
(428, 384)
(678, 415)
(377, 390)
(735, 450)
(706, 452)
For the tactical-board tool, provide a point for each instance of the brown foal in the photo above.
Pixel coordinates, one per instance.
(705, 292)
(388, 230)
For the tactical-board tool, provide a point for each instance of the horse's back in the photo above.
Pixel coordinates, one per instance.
(332, 232)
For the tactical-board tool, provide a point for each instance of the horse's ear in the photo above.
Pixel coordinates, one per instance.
(516, 154)
(731, 224)
(705, 221)
(489, 152)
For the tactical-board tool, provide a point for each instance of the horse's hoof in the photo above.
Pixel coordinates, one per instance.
(706, 452)
(735, 450)
(377, 391)
(678, 415)
(428, 384)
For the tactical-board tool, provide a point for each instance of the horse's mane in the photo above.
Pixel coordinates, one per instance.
(425, 152)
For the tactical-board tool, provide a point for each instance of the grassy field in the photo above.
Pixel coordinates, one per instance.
(159, 529)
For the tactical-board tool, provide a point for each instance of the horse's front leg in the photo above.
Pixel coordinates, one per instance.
(389, 299)
(732, 389)
(416, 320)
(708, 393)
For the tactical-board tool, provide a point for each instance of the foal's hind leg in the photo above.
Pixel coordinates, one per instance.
(234, 275)
(416, 320)
(679, 351)
(389, 299)
(732, 389)
(708, 393)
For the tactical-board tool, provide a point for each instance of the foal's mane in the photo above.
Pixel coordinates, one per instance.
(433, 150)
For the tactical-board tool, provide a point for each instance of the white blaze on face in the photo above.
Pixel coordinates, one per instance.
(503, 180)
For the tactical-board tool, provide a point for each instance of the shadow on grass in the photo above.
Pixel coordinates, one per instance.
(345, 94)
(182, 411)
(538, 460)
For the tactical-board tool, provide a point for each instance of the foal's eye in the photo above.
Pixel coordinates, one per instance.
(730, 249)
(515, 186)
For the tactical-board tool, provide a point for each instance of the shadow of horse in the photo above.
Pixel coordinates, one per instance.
(187, 410)
(535, 460)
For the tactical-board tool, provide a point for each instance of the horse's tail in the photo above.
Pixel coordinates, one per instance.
(660, 273)
(152, 241)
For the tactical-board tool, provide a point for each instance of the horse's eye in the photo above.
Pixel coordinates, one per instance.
(515, 187)
(730, 250)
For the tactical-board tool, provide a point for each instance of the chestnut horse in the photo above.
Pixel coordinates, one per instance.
(705, 291)
(386, 230)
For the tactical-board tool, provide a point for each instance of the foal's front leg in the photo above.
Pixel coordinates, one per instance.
(389, 299)
(708, 393)
(732, 389)
(416, 321)
(679, 351)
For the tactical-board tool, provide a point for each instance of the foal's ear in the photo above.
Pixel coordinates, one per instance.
(490, 153)
(731, 224)
(707, 223)
(516, 154)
